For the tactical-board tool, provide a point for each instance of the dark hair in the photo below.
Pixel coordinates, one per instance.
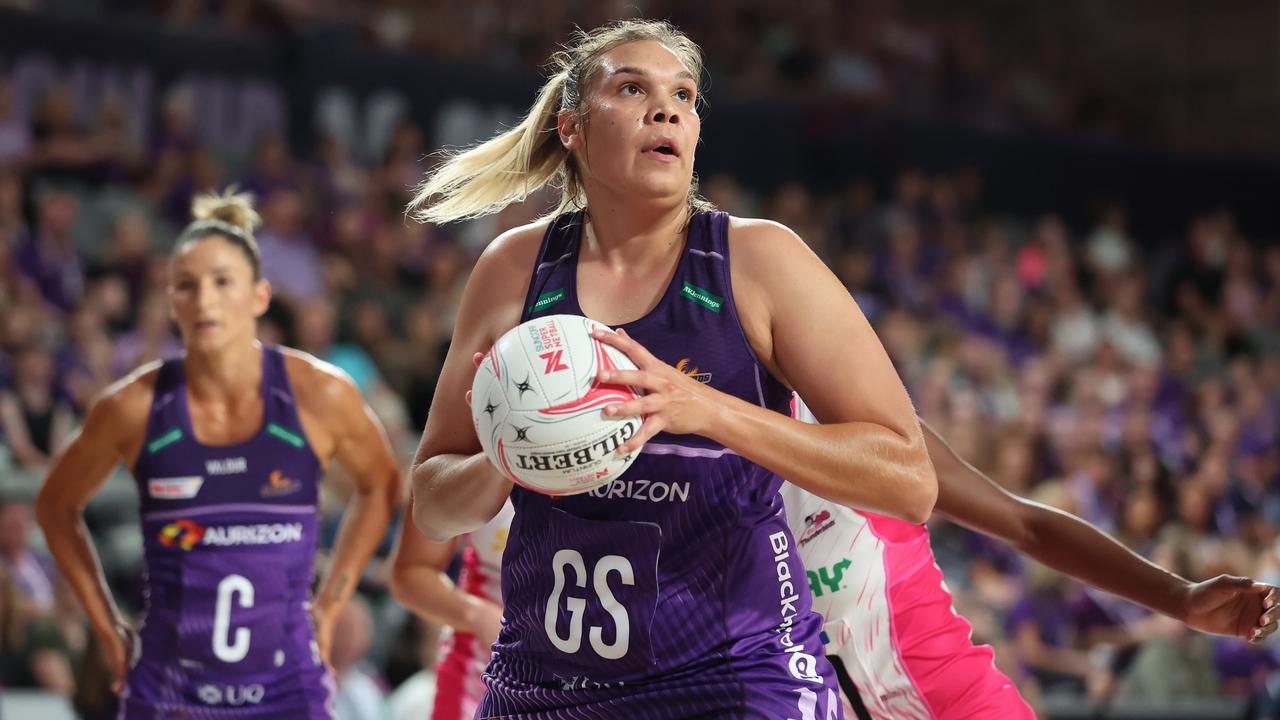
(230, 215)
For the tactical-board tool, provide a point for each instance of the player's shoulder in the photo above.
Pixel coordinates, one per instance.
(318, 385)
(515, 249)
(495, 291)
(127, 401)
(767, 255)
(764, 240)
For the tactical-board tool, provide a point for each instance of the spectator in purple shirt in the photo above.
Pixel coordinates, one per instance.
(48, 258)
(289, 258)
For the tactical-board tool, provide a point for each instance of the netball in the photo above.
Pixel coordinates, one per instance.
(537, 406)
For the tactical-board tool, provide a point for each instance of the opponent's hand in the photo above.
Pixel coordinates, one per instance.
(1229, 605)
(673, 401)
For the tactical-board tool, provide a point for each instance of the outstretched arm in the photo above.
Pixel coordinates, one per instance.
(1224, 605)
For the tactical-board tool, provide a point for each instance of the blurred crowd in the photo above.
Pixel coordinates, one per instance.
(998, 66)
(1134, 381)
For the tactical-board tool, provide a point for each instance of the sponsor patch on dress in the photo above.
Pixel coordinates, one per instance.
(175, 488)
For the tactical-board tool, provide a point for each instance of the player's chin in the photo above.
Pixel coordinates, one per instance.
(662, 184)
(207, 340)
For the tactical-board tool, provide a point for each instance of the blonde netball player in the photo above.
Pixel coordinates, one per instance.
(619, 606)
(228, 445)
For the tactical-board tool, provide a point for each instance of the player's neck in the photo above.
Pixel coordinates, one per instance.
(628, 232)
(224, 372)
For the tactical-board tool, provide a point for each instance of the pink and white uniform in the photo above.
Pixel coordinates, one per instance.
(889, 615)
(459, 686)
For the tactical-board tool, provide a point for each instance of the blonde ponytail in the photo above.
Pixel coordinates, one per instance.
(508, 168)
(500, 171)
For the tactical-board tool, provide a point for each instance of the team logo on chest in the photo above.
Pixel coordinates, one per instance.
(815, 525)
(278, 484)
(702, 377)
(227, 466)
(183, 533)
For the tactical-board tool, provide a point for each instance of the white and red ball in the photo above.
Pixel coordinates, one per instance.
(537, 406)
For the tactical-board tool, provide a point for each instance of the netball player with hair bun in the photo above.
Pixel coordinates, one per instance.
(620, 606)
(227, 444)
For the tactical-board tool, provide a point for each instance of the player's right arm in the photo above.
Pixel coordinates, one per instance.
(420, 583)
(113, 431)
(1224, 605)
(455, 487)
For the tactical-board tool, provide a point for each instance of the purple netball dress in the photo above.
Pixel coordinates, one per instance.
(675, 591)
(230, 538)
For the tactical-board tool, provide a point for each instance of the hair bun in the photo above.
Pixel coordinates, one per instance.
(229, 207)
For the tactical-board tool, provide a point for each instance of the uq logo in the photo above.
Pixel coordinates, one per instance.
(233, 695)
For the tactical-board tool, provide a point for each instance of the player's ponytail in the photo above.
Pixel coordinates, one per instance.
(505, 169)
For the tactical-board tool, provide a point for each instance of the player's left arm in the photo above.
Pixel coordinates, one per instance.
(808, 332)
(361, 446)
(1224, 605)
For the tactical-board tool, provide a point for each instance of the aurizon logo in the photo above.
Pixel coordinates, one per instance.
(184, 533)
